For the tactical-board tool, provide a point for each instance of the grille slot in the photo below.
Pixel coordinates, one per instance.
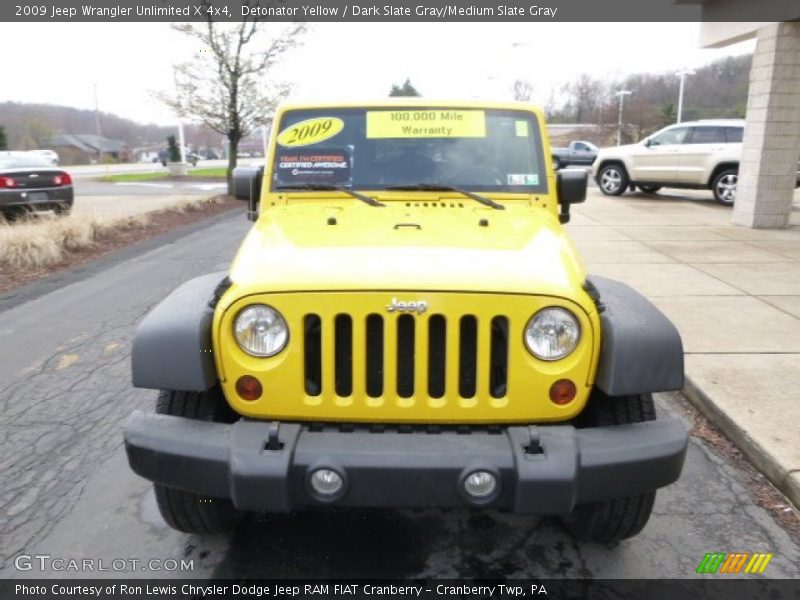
(343, 361)
(498, 362)
(438, 357)
(405, 356)
(468, 357)
(374, 356)
(312, 347)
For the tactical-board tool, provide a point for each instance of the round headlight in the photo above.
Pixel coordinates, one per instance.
(260, 330)
(552, 333)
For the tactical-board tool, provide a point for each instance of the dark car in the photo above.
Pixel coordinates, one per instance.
(191, 157)
(30, 182)
(578, 153)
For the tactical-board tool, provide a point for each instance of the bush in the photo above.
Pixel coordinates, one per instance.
(36, 243)
(173, 152)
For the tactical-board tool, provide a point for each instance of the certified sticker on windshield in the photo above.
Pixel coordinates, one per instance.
(329, 166)
(432, 123)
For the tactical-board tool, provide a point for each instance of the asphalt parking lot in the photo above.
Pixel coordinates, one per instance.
(66, 489)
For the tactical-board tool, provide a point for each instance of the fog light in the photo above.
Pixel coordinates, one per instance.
(326, 482)
(248, 387)
(480, 484)
(562, 392)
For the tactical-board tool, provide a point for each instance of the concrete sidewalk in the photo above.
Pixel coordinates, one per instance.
(123, 206)
(734, 294)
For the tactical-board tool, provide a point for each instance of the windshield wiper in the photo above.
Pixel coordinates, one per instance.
(435, 187)
(324, 187)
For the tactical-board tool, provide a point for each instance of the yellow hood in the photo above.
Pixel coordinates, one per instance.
(453, 245)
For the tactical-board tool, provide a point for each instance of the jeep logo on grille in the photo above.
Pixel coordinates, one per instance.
(419, 307)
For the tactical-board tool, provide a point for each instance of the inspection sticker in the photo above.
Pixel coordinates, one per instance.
(521, 128)
(523, 179)
(426, 123)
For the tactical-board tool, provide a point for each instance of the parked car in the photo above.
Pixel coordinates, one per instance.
(695, 155)
(50, 155)
(407, 325)
(191, 157)
(578, 153)
(30, 182)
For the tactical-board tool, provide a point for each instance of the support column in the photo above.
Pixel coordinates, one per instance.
(771, 147)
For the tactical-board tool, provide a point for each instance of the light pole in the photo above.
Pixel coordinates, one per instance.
(181, 140)
(621, 94)
(180, 110)
(682, 75)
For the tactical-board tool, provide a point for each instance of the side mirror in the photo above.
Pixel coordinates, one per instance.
(571, 187)
(247, 186)
(648, 142)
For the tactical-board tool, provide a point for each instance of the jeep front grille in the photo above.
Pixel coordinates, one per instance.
(410, 360)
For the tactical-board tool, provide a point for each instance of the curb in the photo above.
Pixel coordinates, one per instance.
(788, 482)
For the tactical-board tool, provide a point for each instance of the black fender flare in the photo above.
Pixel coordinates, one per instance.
(641, 350)
(172, 347)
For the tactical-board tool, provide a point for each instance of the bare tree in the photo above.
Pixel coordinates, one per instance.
(585, 92)
(227, 85)
(522, 90)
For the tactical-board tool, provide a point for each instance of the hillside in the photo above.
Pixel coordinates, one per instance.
(30, 126)
(716, 90)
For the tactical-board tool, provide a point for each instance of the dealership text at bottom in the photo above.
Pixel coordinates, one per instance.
(199, 591)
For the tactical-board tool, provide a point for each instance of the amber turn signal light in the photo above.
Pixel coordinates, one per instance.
(562, 392)
(249, 388)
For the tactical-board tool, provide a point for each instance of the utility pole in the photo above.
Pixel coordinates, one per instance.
(682, 75)
(97, 127)
(621, 94)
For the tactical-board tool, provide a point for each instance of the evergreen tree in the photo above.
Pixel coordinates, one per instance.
(407, 89)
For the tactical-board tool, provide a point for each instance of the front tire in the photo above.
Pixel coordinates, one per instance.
(613, 180)
(621, 518)
(724, 186)
(187, 511)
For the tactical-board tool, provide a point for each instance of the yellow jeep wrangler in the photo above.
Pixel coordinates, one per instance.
(407, 324)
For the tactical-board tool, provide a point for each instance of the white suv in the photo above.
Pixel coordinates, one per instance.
(698, 155)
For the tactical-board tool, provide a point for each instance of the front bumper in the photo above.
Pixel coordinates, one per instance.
(263, 465)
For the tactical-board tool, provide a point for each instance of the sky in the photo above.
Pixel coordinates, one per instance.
(127, 62)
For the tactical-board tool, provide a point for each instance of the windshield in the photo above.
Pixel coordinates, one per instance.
(380, 148)
(21, 160)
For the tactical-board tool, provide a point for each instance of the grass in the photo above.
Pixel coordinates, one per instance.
(37, 242)
(203, 173)
(126, 177)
